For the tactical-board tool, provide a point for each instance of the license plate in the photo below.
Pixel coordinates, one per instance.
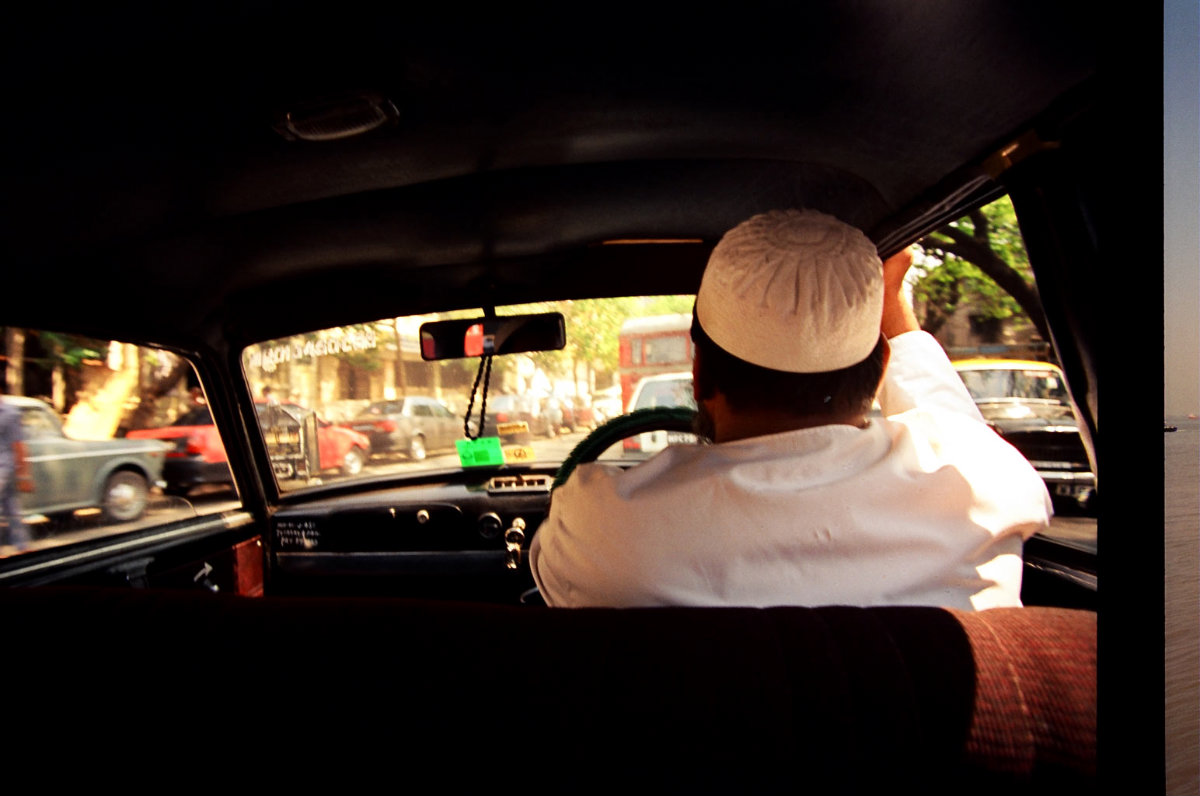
(680, 438)
(510, 429)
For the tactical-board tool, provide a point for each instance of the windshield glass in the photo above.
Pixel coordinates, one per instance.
(359, 400)
(998, 384)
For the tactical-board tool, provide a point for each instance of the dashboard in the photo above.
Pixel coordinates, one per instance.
(464, 539)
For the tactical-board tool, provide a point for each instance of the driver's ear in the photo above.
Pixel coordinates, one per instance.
(887, 357)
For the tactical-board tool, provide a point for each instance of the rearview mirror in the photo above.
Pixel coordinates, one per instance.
(506, 334)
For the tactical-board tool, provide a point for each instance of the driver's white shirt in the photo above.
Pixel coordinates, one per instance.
(925, 506)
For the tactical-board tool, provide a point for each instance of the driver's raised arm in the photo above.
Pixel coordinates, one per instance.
(898, 315)
(919, 373)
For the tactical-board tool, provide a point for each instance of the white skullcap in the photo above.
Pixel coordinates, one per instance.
(793, 290)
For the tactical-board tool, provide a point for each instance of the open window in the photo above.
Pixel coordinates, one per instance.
(973, 288)
(116, 440)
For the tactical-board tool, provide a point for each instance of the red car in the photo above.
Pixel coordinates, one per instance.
(199, 455)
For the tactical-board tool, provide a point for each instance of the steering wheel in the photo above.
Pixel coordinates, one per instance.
(607, 434)
(666, 418)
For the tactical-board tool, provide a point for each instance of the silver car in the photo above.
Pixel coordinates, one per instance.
(114, 475)
(413, 425)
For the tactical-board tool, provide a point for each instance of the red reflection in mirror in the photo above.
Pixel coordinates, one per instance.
(473, 340)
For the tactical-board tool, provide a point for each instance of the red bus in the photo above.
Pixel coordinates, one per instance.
(650, 345)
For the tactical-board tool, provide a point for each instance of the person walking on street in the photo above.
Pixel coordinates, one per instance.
(14, 477)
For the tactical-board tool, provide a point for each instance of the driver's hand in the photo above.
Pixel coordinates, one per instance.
(898, 315)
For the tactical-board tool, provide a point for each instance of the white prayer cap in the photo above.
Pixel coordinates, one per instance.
(793, 290)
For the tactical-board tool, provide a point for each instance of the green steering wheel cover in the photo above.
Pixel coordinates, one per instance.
(667, 418)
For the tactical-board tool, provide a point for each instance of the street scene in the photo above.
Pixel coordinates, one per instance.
(1078, 528)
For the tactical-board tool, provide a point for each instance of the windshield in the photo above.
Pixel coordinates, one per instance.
(673, 391)
(1004, 383)
(358, 401)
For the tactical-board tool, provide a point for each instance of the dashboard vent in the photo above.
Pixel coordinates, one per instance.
(519, 483)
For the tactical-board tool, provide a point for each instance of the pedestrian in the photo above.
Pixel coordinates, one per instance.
(14, 476)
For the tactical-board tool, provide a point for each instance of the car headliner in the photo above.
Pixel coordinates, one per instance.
(150, 195)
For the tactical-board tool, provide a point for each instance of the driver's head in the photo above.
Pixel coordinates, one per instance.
(787, 317)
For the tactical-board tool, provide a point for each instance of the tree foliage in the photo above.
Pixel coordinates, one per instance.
(594, 326)
(978, 263)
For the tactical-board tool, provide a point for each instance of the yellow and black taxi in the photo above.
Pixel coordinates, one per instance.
(1027, 403)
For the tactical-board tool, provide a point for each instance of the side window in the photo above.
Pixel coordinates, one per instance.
(667, 350)
(117, 437)
(973, 290)
(38, 423)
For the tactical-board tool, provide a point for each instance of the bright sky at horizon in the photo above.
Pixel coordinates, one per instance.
(1181, 181)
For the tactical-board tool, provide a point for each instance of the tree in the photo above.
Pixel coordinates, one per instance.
(14, 349)
(168, 372)
(593, 326)
(66, 355)
(979, 261)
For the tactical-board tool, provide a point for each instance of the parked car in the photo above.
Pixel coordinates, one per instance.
(198, 455)
(664, 389)
(115, 475)
(510, 410)
(1027, 403)
(413, 425)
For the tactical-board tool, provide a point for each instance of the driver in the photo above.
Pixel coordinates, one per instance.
(796, 495)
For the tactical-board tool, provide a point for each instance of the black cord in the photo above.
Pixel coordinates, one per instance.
(485, 371)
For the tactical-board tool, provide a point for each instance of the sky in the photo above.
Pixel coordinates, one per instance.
(1181, 194)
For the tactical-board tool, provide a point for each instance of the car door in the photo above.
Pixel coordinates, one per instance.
(446, 424)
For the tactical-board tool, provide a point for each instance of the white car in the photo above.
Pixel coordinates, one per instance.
(664, 389)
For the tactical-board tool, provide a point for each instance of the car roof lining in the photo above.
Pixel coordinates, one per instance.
(172, 211)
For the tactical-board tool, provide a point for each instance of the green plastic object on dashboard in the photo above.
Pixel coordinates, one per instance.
(482, 452)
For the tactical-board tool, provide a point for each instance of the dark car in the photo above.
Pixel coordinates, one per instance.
(1027, 403)
(413, 426)
(519, 418)
(311, 185)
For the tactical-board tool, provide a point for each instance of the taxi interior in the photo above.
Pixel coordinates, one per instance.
(190, 182)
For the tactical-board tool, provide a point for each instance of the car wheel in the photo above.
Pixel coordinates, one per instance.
(416, 449)
(353, 462)
(126, 494)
